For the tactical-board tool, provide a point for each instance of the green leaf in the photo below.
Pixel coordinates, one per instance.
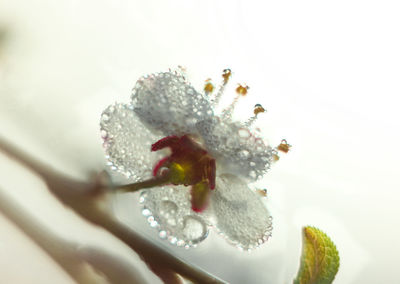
(319, 259)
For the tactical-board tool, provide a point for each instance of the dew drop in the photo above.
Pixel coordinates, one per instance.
(194, 229)
(243, 154)
(105, 117)
(162, 234)
(103, 134)
(168, 210)
(252, 174)
(243, 133)
(172, 240)
(142, 198)
(146, 212)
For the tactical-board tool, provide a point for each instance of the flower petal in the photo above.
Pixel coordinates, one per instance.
(239, 214)
(168, 209)
(166, 102)
(236, 149)
(128, 142)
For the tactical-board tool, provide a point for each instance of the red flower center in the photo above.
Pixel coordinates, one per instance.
(188, 164)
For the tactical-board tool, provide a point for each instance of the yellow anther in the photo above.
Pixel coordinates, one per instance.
(226, 74)
(208, 87)
(262, 192)
(242, 90)
(284, 146)
(275, 157)
(258, 109)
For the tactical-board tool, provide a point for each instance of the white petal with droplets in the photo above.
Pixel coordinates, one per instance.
(237, 149)
(168, 209)
(128, 142)
(166, 102)
(239, 214)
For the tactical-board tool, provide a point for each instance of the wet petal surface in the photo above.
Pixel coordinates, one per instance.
(168, 209)
(237, 149)
(239, 214)
(127, 142)
(166, 102)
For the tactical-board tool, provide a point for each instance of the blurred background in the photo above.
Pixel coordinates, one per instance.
(327, 73)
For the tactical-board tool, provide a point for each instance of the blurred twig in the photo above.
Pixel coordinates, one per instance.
(73, 259)
(88, 200)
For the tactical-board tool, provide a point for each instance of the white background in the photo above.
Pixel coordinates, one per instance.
(326, 71)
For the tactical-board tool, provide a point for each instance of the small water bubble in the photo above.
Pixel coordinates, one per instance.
(194, 228)
(180, 243)
(153, 224)
(191, 121)
(168, 211)
(172, 239)
(243, 133)
(252, 174)
(142, 197)
(243, 154)
(105, 117)
(209, 112)
(146, 212)
(162, 234)
(103, 134)
(168, 208)
(252, 164)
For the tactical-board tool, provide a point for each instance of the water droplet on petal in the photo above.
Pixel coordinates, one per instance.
(142, 198)
(103, 134)
(146, 212)
(162, 234)
(194, 228)
(243, 133)
(172, 240)
(168, 210)
(243, 154)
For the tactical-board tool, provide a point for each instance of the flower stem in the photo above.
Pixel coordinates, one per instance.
(157, 181)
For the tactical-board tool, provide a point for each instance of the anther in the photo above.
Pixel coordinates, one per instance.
(262, 192)
(208, 87)
(242, 90)
(257, 110)
(284, 146)
(226, 74)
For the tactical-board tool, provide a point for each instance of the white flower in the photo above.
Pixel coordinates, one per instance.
(166, 105)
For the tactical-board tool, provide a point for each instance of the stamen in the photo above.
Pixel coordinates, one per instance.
(262, 192)
(226, 74)
(241, 91)
(284, 146)
(208, 87)
(257, 109)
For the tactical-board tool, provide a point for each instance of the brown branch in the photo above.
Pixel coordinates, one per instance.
(88, 200)
(69, 256)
